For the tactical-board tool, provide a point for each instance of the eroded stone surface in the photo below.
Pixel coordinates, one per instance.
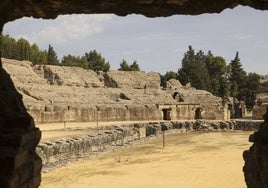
(58, 94)
(60, 151)
(256, 165)
(261, 99)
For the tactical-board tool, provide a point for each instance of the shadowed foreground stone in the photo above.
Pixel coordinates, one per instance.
(256, 158)
(11, 10)
(20, 166)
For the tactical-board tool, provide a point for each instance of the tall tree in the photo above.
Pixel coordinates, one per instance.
(23, 48)
(37, 56)
(96, 62)
(52, 58)
(237, 77)
(184, 73)
(193, 69)
(8, 47)
(249, 92)
(217, 73)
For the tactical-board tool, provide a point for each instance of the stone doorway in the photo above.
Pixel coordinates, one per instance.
(166, 114)
(198, 113)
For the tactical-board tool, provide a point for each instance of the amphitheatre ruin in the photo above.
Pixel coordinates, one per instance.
(140, 108)
(81, 95)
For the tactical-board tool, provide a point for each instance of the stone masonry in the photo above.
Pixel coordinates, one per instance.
(58, 93)
(60, 151)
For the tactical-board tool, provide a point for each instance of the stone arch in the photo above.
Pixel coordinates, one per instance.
(17, 128)
(176, 95)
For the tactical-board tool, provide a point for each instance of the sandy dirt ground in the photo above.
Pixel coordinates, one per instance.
(73, 125)
(51, 131)
(189, 160)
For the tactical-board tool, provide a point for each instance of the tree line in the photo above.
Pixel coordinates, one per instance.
(21, 49)
(212, 73)
(202, 71)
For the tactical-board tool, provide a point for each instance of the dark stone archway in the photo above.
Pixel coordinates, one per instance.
(19, 164)
(198, 113)
(166, 114)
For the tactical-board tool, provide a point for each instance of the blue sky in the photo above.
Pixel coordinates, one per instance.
(158, 44)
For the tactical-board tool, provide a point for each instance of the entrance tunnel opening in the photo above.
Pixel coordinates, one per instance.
(198, 113)
(166, 113)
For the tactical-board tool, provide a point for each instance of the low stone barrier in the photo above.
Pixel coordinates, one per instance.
(156, 128)
(66, 149)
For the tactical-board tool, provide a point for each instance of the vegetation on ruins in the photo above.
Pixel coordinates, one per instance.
(211, 73)
(96, 62)
(52, 58)
(92, 60)
(202, 71)
(124, 66)
(243, 86)
(169, 75)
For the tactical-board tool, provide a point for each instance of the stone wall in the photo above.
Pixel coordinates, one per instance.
(60, 151)
(259, 108)
(132, 79)
(70, 148)
(72, 94)
(62, 75)
(196, 104)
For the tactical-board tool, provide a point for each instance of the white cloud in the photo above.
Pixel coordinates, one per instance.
(67, 28)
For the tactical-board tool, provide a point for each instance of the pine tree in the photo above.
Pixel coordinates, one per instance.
(237, 77)
(124, 66)
(134, 66)
(96, 62)
(76, 61)
(23, 48)
(193, 69)
(52, 58)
